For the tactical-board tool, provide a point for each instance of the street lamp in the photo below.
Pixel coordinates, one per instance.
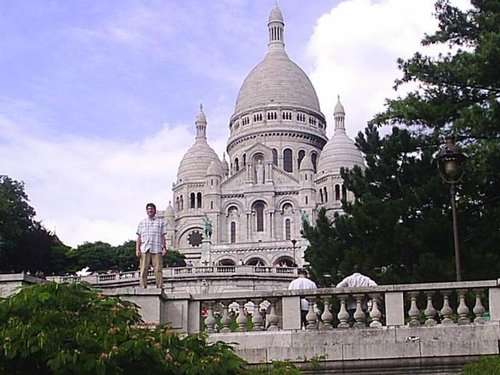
(294, 242)
(450, 161)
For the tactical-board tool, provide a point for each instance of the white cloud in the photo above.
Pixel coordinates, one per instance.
(355, 47)
(91, 189)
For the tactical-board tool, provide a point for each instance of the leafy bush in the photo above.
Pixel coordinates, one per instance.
(72, 329)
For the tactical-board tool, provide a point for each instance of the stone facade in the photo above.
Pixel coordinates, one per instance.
(281, 168)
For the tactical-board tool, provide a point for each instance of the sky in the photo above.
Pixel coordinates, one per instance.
(98, 98)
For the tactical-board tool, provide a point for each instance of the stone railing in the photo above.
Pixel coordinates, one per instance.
(471, 302)
(177, 272)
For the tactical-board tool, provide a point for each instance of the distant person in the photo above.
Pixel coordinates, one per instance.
(356, 279)
(151, 246)
(302, 282)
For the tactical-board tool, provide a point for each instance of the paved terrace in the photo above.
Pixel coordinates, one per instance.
(431, 328)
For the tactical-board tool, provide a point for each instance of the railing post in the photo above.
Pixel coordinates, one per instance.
(291, 312)
(194, 316)
(494, 302)
(394, 309)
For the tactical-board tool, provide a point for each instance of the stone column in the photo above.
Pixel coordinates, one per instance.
(394, 309)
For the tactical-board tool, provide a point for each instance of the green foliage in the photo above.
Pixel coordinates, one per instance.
(25, 245)
(70, 329)
(277, 368)
(459, 92)
(485, 366)
(399, 226)
(98, 256)
(174, 259)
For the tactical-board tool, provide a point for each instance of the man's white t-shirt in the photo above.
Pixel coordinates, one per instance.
(302, 283)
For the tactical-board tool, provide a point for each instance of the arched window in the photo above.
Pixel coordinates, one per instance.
(198, 200)
(244, 159)
(287, 160)
(321, 195)
(233, 232)
(337, 192)
(344, 192)
(177, 206)
(182, 202)
(211, 205)
(236, 165)
(259, 213)
(326, 195)
(287, 229)
(302, 153)
(314, 159)
(275, 156)
(192, 200)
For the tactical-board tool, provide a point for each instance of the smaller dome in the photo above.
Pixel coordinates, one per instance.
(306, 164)
(275, 15)
(169, 212)
(215, 168)
(340, 151)
(197, 159)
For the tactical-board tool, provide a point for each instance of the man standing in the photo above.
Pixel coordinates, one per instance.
(151, 246)
(302, 282)
(355, 280)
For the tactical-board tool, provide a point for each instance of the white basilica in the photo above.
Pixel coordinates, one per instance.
(280, 170)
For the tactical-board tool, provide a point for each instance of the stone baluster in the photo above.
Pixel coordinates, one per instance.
(375, 313)
(210, 319)
(327, 316)
(446, 311)
(430, 312)
(311, 317)
(462, 310)
(257, 319)
(343, 315)
(241, 319)
(359, 315)
(225, 319)
(272, 317)
(414, 312)
(478, 309)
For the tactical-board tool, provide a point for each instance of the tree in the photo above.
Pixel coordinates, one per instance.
(124, 258)
(399, 226)
(174, 259)
(459, 92)
(71, 329)
(25, 244)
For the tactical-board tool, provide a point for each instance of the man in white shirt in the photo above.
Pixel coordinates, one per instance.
(151, 246)
(302, 282)
(355, 280)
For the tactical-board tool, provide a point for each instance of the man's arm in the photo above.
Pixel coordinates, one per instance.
(138, 246)
(342, 284)
(163, 239)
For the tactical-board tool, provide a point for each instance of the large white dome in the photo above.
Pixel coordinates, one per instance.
(277, 80)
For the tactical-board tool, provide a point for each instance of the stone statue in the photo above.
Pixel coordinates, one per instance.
(207, 224)
(259, 172)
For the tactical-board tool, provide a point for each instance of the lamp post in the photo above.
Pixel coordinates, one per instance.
(1, 244)
(450, 161)
(294, 242)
